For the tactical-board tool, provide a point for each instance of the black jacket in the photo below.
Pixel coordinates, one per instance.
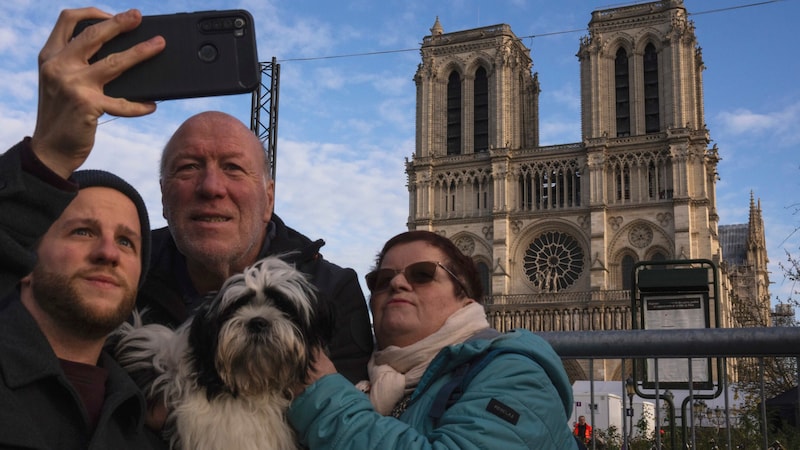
(28, 206)
(40, 408)
(170, 299)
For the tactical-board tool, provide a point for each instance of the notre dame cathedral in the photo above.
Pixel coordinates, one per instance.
(556, 230)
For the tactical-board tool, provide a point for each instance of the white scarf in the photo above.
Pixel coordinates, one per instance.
(395, 371)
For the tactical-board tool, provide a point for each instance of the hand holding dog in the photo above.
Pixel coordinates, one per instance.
(156, 416)
(71, 98)
(322, 366)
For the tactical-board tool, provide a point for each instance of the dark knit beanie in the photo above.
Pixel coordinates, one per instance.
(101, 178)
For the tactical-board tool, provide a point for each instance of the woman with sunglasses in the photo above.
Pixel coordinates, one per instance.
(440, 376)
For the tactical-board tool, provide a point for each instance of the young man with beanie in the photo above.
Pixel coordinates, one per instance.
(59, 389)
(75, 247)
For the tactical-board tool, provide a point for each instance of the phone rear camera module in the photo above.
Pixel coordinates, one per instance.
(238, 27)
(208, 53)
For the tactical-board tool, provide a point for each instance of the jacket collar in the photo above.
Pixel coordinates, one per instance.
(26, 355)
(27, 358)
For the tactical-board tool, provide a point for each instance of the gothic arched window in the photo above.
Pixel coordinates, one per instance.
(627, 271)
(454, 114)
(481, 101)
(652, 180)
(451, 193)
(651, 108)
(622, 88)
(485, 276)
(622, 182)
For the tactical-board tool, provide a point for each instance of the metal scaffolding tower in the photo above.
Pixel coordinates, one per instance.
(264, 110)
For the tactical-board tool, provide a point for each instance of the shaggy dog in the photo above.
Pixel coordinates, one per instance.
(226, 375)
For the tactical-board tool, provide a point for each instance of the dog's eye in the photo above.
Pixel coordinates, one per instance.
(281, 302)
(234, 306)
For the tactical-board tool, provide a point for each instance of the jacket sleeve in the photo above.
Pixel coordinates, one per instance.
(520, 409)
(351, 345)
(29, 206)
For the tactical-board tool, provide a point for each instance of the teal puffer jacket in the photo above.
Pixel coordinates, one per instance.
(520, 399)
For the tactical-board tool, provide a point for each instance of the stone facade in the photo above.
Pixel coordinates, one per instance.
(557, 230)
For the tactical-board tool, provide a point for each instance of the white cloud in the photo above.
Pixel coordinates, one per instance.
(329, 78)
(393, 85)
(554, 131)
(353, 197)
(567, 95)
(399, 113)
(781, 122)
(742, 121)
(25, 86)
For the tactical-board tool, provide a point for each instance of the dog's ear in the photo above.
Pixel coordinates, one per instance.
(317, 331)
(143, 351)
(203, 341)
(320, 332)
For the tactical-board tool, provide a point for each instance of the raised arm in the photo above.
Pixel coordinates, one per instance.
(71, 98)
(33, 173)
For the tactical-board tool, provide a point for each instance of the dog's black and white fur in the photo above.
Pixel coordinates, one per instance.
(226, 375)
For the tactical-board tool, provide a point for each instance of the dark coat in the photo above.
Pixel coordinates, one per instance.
(40, 408)
(28, 206)
(165, 295)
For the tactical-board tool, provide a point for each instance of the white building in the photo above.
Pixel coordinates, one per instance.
(608, 410)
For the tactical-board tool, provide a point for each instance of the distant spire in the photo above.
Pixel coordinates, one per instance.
(756, 222)
(753, 214)
(436, 29)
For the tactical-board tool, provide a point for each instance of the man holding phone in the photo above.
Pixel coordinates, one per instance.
(74, 247)
(219, 211)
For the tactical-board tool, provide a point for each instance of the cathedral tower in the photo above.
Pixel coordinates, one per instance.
(652, 174)
(556, 230)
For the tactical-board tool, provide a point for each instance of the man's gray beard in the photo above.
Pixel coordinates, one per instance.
(219, 264)
(56, 295)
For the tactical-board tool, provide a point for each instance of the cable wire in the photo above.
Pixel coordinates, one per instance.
(552, 33)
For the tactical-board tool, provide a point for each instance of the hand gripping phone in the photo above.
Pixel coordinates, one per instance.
(207, 53)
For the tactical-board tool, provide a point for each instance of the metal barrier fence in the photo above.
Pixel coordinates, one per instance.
(679, 415)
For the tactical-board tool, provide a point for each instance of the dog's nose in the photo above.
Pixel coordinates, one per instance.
(257, 325)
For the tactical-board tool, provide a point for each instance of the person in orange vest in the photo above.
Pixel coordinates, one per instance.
(582, 430)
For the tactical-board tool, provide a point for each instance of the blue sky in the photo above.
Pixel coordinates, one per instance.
(346, 124)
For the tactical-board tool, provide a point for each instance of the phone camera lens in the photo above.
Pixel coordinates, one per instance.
(207, 53)
(238, 22)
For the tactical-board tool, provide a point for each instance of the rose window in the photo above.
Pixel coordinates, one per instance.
(553, 261)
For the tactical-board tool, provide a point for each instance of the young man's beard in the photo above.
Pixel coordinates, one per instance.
(57, 296)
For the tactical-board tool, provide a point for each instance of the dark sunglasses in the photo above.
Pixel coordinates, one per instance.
(418, 273)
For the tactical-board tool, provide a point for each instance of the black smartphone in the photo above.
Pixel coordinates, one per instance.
(207, 53)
